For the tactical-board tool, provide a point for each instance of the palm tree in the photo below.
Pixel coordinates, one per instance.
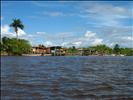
(17, 24)
(116, 49)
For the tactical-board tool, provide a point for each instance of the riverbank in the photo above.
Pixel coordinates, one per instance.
(36, 55)
(64, 55)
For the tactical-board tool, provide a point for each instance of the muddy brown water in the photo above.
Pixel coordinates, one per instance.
(66, 78)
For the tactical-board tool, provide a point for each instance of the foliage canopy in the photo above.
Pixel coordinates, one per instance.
(14, 46)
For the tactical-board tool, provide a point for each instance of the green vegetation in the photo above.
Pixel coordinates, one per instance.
(126, 51)
(72, 51)
(116, 49)
(17, 24)
(102, 49)
(105, 50)
(13, 46)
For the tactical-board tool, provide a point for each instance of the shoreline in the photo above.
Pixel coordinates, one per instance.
(67, 55)
(36, 55)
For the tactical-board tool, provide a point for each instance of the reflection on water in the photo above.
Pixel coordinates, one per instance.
(67, 78)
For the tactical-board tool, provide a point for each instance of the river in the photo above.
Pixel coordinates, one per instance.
(66, 78)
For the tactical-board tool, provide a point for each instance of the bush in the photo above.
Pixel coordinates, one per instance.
(15, 47)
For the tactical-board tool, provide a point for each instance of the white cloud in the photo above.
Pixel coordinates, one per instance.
(77, 44)
(40, 33)
(120, 35)
(48, 43)
(92, 38)
(89, 38)
(107, 9)
(128, 38)
(6, 31)
(105, 14)
(68, 39)
(64, 44)
(21, 32)
(90, 34)
(124, 40)
(97, 41)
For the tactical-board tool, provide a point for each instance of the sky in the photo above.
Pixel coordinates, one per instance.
(70, 23)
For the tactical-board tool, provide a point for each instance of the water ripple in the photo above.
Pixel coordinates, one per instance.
(66, 78)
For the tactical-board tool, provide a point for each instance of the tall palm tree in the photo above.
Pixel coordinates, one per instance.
(17, 24)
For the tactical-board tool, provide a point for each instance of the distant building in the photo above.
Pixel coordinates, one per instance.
(48, 50)
(57, 51)
(39, 50)
(54, 50)
(86, 52)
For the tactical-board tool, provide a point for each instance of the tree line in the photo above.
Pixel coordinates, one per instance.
(105, 50)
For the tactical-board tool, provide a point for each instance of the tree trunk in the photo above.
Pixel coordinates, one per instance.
(16, 30)
(17, 36)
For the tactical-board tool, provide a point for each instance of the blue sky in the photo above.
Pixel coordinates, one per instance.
(70, 23)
